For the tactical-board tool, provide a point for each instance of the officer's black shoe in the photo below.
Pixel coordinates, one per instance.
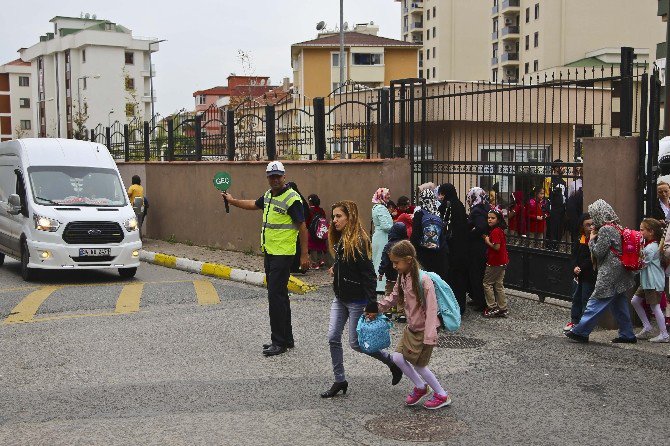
(274, 350)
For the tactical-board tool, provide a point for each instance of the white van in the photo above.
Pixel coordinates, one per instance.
(63, 206)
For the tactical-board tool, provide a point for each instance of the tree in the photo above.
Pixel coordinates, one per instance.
(79, 120)
(20, 132)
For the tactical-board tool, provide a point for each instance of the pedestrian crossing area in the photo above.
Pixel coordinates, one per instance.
(43, 303)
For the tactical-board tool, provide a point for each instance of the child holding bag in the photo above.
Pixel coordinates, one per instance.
(420, 336)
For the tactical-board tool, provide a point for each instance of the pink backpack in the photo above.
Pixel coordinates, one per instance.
(632, 246)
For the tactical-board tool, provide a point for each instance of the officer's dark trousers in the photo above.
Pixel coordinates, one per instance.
(277, 272)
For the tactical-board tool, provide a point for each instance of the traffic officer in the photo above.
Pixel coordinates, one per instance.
(283, 222)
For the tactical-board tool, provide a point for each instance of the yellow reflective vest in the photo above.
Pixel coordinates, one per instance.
(279, 234)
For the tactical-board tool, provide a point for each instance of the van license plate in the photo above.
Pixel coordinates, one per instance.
(94, 252)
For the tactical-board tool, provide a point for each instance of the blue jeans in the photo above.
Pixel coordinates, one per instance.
(596, 307)
(580, 298)
(339, 313)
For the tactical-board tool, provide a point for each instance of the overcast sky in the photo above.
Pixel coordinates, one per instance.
(203, 36)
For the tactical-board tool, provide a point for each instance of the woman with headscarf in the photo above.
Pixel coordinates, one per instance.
(478, 202)
(429, 235)
(382, 221)
(453, 214)
(613, 280)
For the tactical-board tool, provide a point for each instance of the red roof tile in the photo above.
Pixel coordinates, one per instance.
(352, 38)
(18, 62)
(214, 91)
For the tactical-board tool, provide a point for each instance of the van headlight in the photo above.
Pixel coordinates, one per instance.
(45, 223)
(131, 224)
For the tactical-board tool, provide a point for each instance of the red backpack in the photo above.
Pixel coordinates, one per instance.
(632, 247)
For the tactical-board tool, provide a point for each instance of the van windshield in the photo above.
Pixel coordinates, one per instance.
(76, 186)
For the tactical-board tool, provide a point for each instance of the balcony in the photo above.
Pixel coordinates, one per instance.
(494, 61)
(146, 72)
(416, 7)
(417, 26)
(508, 4)
(661, 50)
(509, 58)
(662, 8)
(494, 10)
(494, 35)
(146, 97)
(510, 32)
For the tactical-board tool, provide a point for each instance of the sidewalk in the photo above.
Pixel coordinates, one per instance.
(560, 309)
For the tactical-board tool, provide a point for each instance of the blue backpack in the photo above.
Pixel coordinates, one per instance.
(448, 308)
(374, 335)
(432, 227)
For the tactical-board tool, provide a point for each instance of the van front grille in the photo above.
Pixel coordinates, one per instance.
(92, 233)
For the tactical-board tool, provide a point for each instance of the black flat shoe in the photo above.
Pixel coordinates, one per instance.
(620, 340)
(576, 337)
(397, 374)
(274, 350)
(335, 389)
(267, 346)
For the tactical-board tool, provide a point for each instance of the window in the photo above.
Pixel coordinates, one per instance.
(527, 15)
(494, 75)
(536, 65)
(130, 83)
(201, 99)
(428, 54)
(367, 59)
(130, 110)
(428, 15)
(526, 68)
(527, 43)
(428, 73)
(335, 86)
(24, 81)
(25, 124)
(85, 84)
(420, 74)
(434, 32)
(537, 11)
(335, 59)
(434, 53)
(434, 12)
(536, 39)
(434, 75)
(24, 103)
(130, 58)
(495, 50)
(495, 25)
(83, 56)
(427, 34)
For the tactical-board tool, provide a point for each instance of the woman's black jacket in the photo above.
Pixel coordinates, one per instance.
(354, 280)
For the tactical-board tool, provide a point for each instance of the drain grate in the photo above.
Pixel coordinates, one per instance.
(458, 342)
(416, 426)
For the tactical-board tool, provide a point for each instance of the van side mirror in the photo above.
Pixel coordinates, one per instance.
(15, 206)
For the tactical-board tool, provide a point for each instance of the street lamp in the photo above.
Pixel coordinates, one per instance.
(151, 82)
(109, 118)
(95, 76)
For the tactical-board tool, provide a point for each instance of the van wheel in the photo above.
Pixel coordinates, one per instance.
(127, 273)
(28, 274)
(2, 259)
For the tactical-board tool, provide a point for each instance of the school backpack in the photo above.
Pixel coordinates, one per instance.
(632, 246)
(318, 228)
(374, 335)
(432, 227)
(447, 305)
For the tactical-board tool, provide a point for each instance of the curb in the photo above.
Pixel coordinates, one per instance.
(220, 271)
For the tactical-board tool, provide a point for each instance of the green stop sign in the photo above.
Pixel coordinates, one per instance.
(222, 181)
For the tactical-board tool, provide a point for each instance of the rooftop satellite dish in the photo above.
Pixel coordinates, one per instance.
(346, 26)
(321, 25)
(87, 16)
(372, 23)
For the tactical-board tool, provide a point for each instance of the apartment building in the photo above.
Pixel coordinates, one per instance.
(237, 87)
(370, 60)
(529, 36)
(90, 65)
(454, 35)
(16, 103)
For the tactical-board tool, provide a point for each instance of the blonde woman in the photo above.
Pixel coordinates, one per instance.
(354, 282)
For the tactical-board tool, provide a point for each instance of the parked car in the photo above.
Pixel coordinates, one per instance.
(63, 205)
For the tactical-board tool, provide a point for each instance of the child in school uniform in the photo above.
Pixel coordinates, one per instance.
(420, 335)
(537, 214)
(496, 263)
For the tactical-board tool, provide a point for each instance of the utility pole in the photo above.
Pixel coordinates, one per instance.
(666, 109)
(342, 150)
(151, 83)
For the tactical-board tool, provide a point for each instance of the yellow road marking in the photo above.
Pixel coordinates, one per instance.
(71, 316)
(129, 299)
(206, 292)
(26, 309)
(18, 288)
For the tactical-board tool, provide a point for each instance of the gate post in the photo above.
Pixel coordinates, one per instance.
(320, 128)
(270, 142)
(627, 55)
(92, 135)
(147, 145)
(170, 140)
(108, 138)
(230, 134)
(198, 138)
(126, 143)
(653, 138)
(384, 134)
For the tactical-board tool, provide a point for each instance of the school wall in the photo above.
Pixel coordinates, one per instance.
(611, 172)
(185, 205)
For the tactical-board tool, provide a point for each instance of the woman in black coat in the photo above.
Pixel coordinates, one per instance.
(452, 212)
(477, 227)
(431, 259)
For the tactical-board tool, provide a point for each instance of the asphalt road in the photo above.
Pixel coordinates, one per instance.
(174, 358)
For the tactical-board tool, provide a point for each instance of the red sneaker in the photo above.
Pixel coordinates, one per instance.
(437, 401)
(416, 395)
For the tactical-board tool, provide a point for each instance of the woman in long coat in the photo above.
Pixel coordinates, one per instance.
(382, 221)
